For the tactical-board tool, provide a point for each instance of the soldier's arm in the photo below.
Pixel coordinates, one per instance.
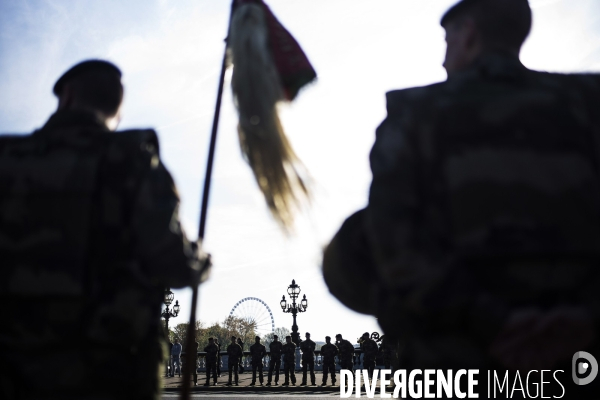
(418, 285)
(167, 256)
(348, 266)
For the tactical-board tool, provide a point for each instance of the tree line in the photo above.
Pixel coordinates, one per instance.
(222, 331)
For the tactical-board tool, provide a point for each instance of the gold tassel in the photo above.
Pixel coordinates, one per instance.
(257, 90)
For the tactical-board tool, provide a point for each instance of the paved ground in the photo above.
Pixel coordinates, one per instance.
(246, 378)
(172, 386)
(294, 396)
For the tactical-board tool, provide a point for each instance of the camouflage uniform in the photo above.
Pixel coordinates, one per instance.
(234, 353)
(289, 362)
(275, 349)
(485, 199)
(370, 350)
(308, 360)
(90, 237)
(328, 352)
(241, 362)
(195, 363)
(257, 352)
(388, 350)
(212, 356)
(218, 357)
(346, 354)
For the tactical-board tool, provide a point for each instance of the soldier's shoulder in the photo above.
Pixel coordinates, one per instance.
(132, 142)
(16, 144)
(8, 138)
(139, 137)
(399, 99)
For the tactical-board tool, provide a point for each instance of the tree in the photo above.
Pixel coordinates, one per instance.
(240, 328)
(222, 332)
(179, 332)
(281, 334)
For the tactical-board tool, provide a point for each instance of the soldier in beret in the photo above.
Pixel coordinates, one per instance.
(89, 223)
(370, 350)
(307, 347)
(234, 353)
(289, 361)
(275, 349)
(212, 351)
(480, 243)
(328, 352)
(257, 352)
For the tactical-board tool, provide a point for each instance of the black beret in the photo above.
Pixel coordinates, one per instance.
(82, 67)
(457, 9)
(462, 5)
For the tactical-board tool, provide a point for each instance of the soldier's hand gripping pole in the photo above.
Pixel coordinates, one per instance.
(190, 358)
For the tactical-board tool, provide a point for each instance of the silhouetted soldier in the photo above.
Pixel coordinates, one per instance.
(212, 351)
(89, 220)
(388, 349)
(234, 353)
(275, 349)
(218, 357)
(346, 353)
(370, 350)
(257, 352)
(169, 366)
(241, 344)
(307, 347)
(194, 365)
(176, 358)
(289, 361)
(481, 240)
(328, 352)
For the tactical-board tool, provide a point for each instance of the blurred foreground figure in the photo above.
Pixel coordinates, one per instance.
(480, 245)
(90, 237)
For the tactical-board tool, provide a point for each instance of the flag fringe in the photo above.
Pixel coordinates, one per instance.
(257, 90)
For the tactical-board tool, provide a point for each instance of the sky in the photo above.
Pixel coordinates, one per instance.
(170, 54)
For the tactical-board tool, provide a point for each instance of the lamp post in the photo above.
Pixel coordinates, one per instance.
(167, 313)
(294, 308)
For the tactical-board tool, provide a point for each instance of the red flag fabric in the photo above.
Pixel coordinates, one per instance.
(295, 70)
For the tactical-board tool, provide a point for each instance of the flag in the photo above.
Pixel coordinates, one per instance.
(269, 67)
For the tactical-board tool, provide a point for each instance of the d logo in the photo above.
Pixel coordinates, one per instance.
(581, 368)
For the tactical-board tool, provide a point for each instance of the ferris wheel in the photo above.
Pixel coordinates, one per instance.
(255, 311)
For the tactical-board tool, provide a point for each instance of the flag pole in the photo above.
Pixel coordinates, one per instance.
(191, 336)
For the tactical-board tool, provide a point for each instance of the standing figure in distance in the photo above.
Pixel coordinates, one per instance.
(194, 365)
(241, 344)
(89, 224)
(370, 350)
(480, 244)
(176, 358)
(234, 353)
(169, 367)
(346, 354)
(218, 357)
(328, 352)
(389, 352)
(212, 351)
(289, 361)
(307, 347)
(275, 349)
(257, 352)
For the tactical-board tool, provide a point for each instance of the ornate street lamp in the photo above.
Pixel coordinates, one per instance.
(294, 308)
(167, 313)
